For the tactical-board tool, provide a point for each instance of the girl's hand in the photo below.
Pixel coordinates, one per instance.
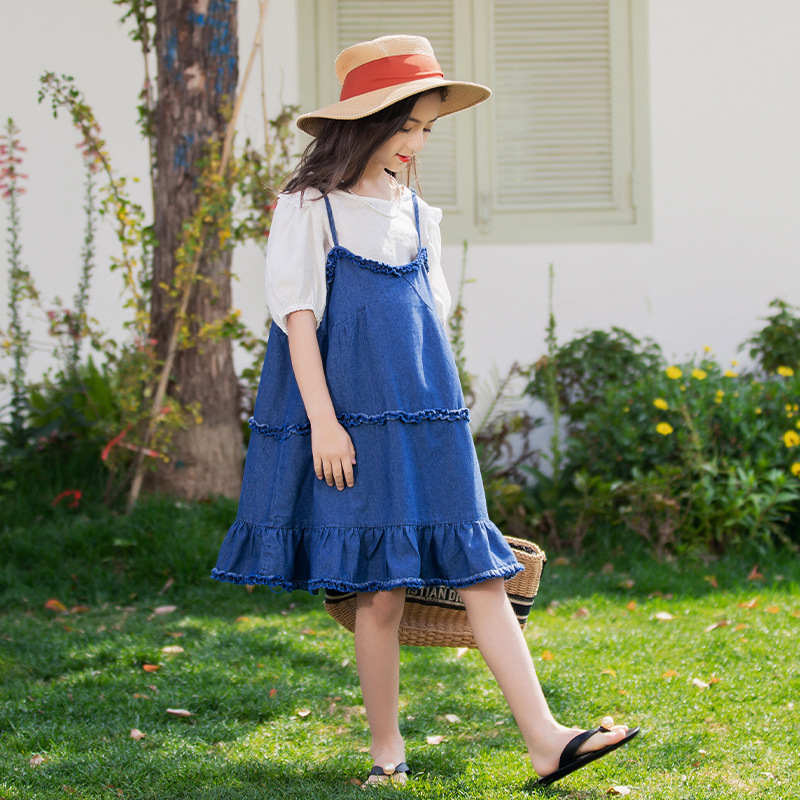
(333, 453)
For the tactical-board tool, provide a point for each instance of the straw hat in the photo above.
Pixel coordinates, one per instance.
(378, 73)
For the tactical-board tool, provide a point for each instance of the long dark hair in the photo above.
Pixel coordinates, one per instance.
(338, 156)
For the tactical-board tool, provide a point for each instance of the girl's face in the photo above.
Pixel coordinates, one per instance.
(398, 150)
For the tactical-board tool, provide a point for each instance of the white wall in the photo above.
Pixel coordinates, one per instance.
(726, 178)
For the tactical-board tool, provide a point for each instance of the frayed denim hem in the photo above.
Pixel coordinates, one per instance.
(314, 585)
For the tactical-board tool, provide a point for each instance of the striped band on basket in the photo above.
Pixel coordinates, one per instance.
(435, 616)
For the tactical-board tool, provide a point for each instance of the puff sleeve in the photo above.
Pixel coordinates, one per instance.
(296, 254)
(433, 241)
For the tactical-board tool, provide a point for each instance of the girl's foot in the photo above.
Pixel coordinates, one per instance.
(546, 761)
(390, 760)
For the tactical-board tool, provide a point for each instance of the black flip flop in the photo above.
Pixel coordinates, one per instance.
(386, 774)
(569, 762)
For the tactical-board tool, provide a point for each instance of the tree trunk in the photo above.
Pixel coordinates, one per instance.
(197, 47)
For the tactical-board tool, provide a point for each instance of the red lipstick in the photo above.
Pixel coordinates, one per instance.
(404, 159)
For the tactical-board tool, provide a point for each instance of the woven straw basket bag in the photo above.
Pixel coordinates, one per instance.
(435, 616)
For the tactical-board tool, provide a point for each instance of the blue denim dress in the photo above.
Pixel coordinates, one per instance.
(416, 514)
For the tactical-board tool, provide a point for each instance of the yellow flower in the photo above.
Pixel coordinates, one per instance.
(734, 363)
(665, 429)
(720, 395)
(700, 374)
(758, 409)
(791, 439)
(660, 403)
(787, 372)
(731, 374)
(796, 468)
(706, 348)
(626, 409)
(674, 373)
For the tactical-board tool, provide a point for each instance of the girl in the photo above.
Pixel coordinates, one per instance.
(361, 473)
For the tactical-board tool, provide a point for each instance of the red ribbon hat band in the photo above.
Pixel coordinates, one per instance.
(383, 73)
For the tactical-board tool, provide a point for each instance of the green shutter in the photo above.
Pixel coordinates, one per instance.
(552, 114)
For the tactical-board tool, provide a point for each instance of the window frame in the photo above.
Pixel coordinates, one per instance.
(475, 217)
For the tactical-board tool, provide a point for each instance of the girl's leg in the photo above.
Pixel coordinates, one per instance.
(378, 657)
(500, 640)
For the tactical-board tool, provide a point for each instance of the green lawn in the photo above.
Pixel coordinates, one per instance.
(716, 704)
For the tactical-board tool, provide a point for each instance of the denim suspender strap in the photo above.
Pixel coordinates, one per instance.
(333, 226)
(416, 216)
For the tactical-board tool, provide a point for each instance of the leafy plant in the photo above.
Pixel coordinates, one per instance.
(582, 368)
(777, 344)
(20, 285)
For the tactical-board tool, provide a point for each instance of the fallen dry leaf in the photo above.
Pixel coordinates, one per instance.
(434, 739)
(452, 718)
(355, 782)
(250, 587)
(167, 586)
(607, 568)
(631, 606)
(547, 656)
(561, 561)
(628, 583)
(55, 605)
(611, 672)
(796, 612)
(37, 760)
(172, 649)
(700, 684)
(179, 712)
(772, 609)
(136, 734)
(273, 692)
(242, 619)
(712, 580)
(582, 613)
(151, 667)
(755, 575)
(79, 609)
(723, 623)
(670, 673)
(620, 790)
(152, 687)
(345, 663)
(713, 679)
(664, 616)
(164, 609)
(138, 696)
(303, 712)
(741, 626)
(308, 632)
(749, 604)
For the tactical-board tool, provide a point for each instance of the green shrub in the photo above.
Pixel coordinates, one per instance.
(777, 344)
(586, 365)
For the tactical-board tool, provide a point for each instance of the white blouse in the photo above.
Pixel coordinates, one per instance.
(300, 238)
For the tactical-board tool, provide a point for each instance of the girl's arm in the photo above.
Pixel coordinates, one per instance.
(331, 446)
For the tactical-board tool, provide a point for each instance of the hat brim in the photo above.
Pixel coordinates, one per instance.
(460, 95)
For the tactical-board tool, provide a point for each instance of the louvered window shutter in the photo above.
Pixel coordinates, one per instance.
(552, 107)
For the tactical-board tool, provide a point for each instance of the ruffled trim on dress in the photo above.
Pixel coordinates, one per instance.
(283, 432)
(339, 253)
(452, 551)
